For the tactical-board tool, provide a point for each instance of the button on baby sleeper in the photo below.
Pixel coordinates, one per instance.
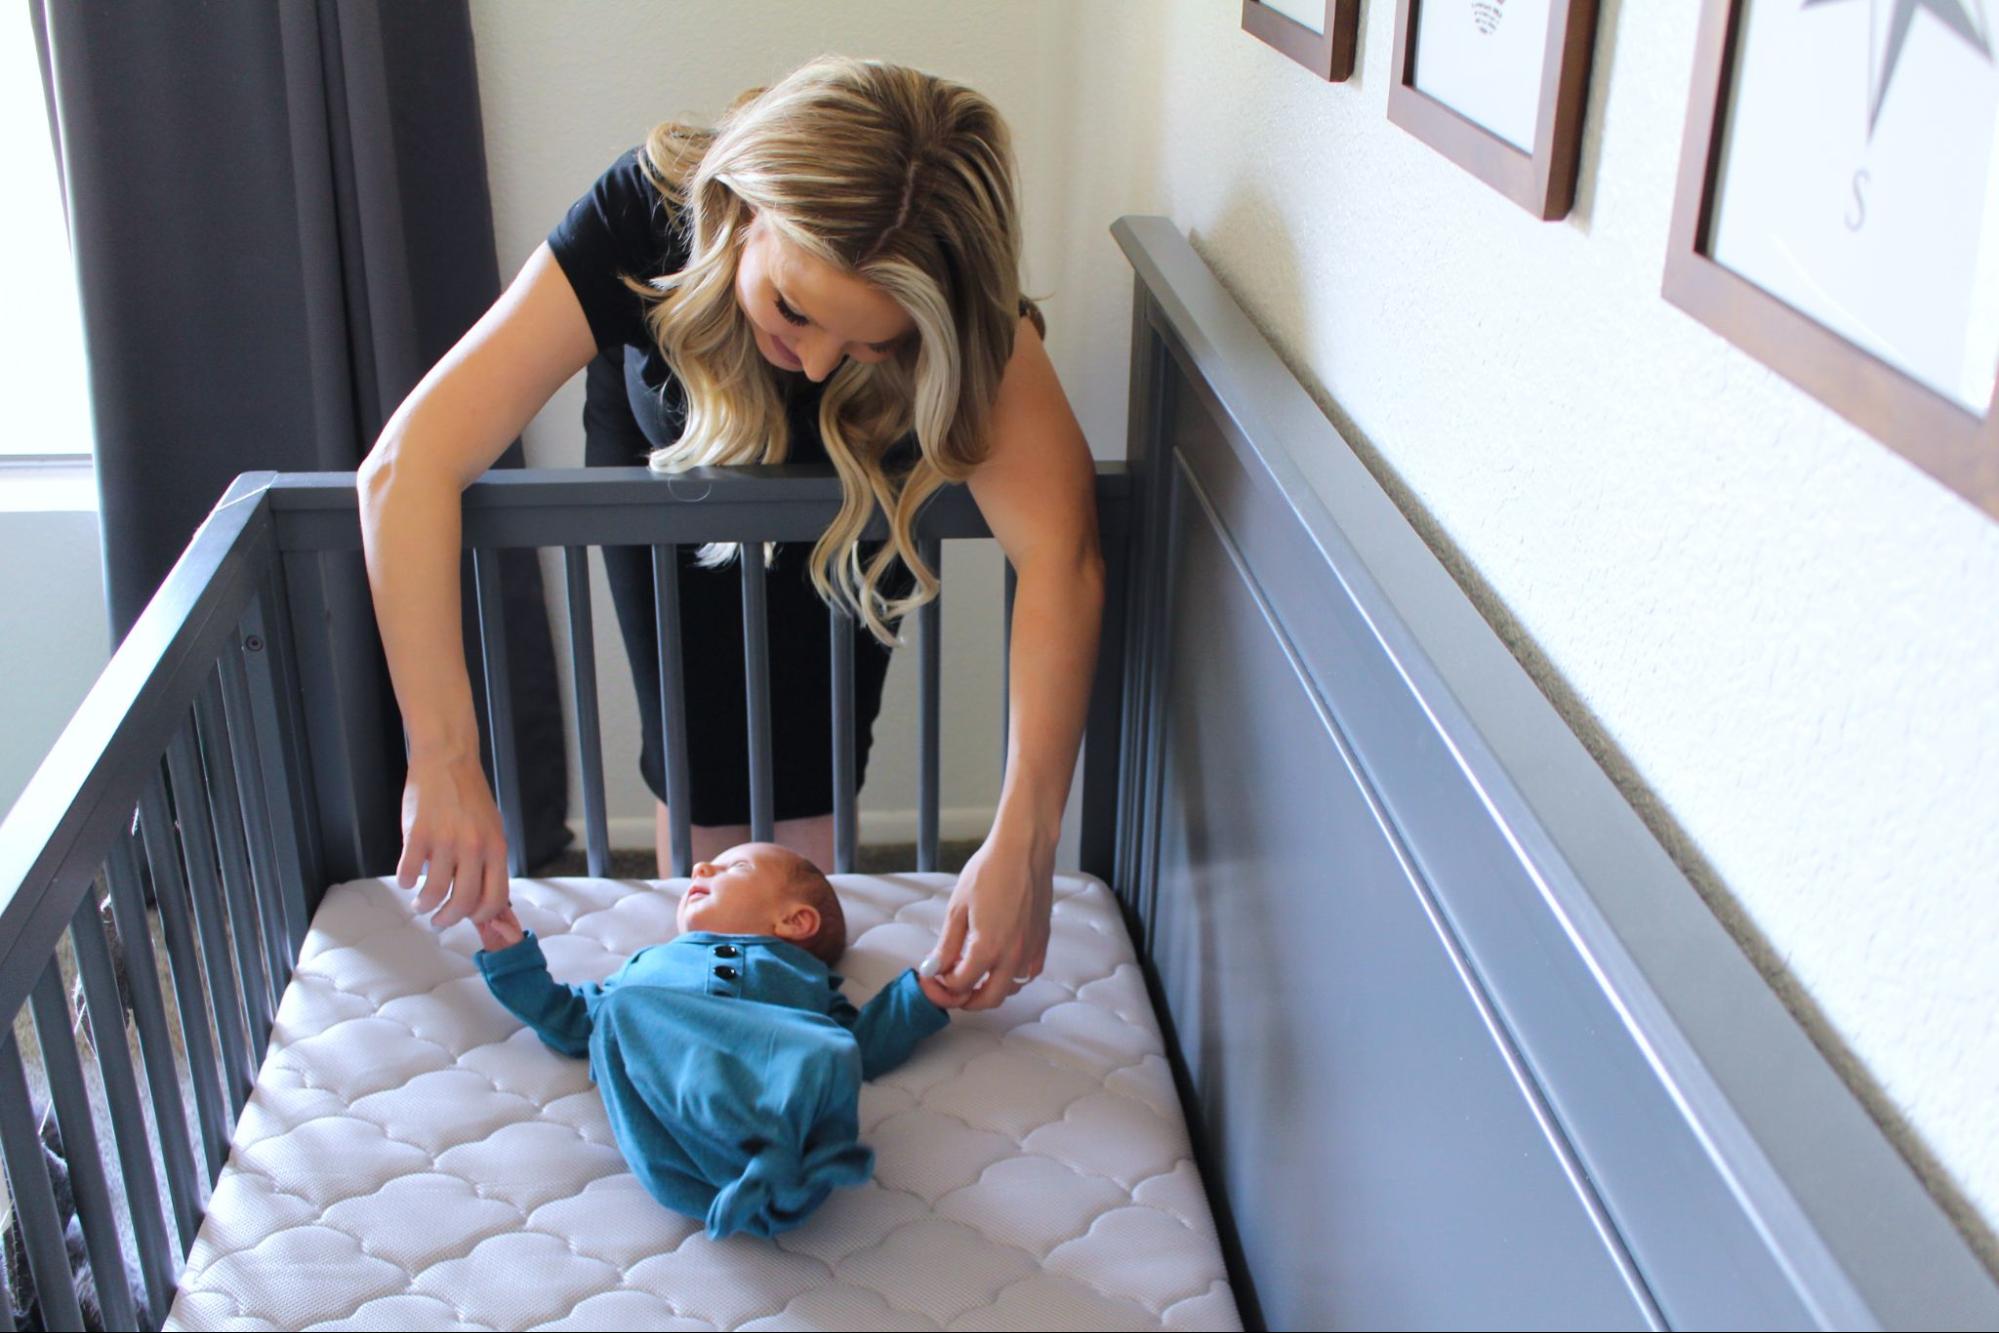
(725, 973)
(726, 951)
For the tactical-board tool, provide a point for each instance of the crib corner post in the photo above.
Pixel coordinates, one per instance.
(322, 623)
(1103, 739)
(272, 696)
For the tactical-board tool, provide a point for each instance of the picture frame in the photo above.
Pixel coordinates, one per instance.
(1714, 278)
(1329, 50)
(1506, 107)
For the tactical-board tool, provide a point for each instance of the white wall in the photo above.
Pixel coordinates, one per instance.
(52, 625)
(1777, 637)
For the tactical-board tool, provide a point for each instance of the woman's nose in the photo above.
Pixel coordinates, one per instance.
(821, 356)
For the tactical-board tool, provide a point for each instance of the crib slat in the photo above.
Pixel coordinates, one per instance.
(672, 704)
(499, 706)
(756, 681)
(121, 1090)
(238, 889)
(191, 803)
(273, 893)
(844, 822)
(34, 1198)
(270, 726)
(171, 892)
(149, 1011)
(1006, 667)
(88, 1188)
(583, 686)
(929, 624)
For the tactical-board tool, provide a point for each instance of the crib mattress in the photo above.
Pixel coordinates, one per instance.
(412, 1157)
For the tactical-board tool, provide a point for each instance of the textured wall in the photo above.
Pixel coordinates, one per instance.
(52, 623)
(1778, 638)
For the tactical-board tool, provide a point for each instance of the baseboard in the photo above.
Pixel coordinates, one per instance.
(877, 826)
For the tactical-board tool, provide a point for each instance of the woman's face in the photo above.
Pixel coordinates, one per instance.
(808, 315)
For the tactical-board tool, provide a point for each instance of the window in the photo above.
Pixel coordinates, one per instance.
(41, 331)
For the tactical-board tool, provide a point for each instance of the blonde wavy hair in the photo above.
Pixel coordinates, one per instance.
(891, 175)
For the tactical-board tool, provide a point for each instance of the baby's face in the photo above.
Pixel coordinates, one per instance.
(744, 891)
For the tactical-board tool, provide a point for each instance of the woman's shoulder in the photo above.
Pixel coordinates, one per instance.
(623, 226)
(625, 205)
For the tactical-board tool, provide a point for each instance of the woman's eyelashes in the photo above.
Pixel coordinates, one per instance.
(791, 316)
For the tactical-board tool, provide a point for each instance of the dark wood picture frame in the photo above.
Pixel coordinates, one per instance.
(1958, 448)
(1542, 182)
(1329, 54)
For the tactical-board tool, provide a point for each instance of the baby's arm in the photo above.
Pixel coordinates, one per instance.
(517, 974)
(888, 1027)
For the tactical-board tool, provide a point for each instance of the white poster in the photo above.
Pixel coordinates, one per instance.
(1859, 178)
(1483, 60)
(1311, 13)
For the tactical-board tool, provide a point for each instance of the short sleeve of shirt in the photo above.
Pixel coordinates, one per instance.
(622, 226)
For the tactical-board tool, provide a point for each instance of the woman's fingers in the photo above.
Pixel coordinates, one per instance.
(985, 972)
(465, 890)
(998, 985)
(411, 864)
(493, 900)
(934, 991)
(437, 869)
(974, 956)
(950, 942)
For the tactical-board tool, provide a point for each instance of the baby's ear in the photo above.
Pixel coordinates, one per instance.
(799, 922)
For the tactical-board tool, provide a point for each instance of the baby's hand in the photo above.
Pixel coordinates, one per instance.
(938, 993)
(502, 932)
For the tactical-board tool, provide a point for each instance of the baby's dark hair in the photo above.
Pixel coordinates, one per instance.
(830, 940)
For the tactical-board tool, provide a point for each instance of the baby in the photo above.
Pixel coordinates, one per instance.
(729, 1061)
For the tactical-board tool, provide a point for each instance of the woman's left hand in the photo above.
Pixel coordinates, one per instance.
(996, 926)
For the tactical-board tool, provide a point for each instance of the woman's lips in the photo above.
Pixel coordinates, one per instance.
(785, 355)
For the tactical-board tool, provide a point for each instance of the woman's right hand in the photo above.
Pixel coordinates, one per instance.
(450, 429)
(452, 834)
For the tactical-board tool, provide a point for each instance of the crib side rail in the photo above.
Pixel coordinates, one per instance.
(172, 789)
(316, 516)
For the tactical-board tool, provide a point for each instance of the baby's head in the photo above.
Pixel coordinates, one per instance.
(760, 888)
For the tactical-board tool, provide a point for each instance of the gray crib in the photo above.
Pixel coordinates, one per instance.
(1511, 1072)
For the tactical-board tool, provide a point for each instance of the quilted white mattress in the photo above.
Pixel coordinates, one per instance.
(414, 1158)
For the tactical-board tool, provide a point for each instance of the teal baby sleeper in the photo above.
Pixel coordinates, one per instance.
(730, 1067)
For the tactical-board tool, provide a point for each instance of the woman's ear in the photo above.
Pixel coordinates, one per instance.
(800, 921)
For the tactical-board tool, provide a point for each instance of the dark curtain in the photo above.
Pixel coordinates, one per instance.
(280, 219)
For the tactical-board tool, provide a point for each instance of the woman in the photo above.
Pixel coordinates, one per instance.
(831, 274)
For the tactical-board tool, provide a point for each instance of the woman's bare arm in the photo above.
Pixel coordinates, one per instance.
(1037, 491)
(450, 429)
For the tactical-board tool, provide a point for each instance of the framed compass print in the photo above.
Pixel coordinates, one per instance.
(1498, 86)
(1838, 214)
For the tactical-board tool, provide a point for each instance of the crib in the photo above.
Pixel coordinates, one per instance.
(1455, 1042)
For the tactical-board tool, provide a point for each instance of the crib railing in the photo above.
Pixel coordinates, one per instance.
(213, 772)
